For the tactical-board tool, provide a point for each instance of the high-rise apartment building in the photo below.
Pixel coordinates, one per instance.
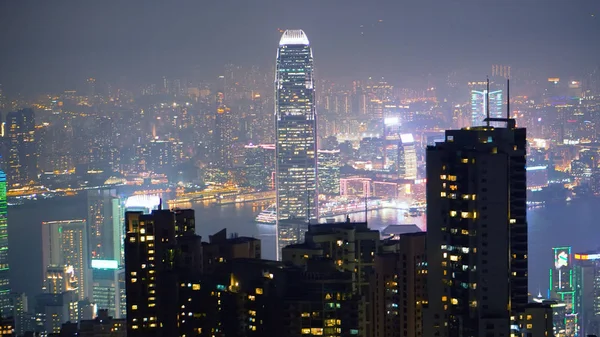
(477, 232)
(296, 132)
(329, 171)
(5, 301)
(397, 289)
(65, 243)
(158, 245)
(224, 134)
(22, 151)
(105, 229)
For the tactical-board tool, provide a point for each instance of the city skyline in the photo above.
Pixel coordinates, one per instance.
(350, 185)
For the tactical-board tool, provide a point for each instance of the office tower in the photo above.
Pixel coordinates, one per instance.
(407, 157)
(105, 224)
(160, 248)
(106, 286)
(60, 279)
(22, 153)
(499, 70)
(398, 288)
(477, 232)
(5, 306)
(259, 164)
(20, 312)
(329, 171)
(163, 155)
(479, 105)
(587, 279)
(223, 134)
(296, 132)
(144, 203)
(64, 243)
(562, 286)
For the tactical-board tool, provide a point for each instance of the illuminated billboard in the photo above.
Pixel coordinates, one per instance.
(562, 257)
(105, 264)
(587, 256)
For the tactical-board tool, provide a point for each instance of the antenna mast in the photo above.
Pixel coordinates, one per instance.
(507, 98)
(487, 102)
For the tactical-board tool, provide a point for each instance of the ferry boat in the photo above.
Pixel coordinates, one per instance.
(268, 215)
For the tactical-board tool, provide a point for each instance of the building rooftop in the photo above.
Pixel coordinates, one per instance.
(293, 37)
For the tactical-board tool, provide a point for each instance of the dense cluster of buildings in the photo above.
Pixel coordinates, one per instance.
(132, 268)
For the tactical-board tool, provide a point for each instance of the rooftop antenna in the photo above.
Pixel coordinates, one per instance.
(507, 98)
(487, 102)
(366, 206)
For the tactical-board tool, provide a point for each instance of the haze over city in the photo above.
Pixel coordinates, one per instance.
(313, 168)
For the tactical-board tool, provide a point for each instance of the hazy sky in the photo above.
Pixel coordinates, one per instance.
(51, 45)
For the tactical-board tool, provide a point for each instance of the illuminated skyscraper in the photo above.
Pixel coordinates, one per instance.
(105, 219)
(477, 232)
(22, 155)
(223, 134)
(407, 157)
(4, 269)
(296, 130)
(329, 172)
(64, 243)
(479, 106)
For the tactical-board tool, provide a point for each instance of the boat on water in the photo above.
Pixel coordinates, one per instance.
(268, 216)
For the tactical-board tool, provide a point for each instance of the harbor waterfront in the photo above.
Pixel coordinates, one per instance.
(581, 231)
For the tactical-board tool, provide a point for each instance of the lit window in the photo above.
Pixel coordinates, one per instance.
(454, 301)
(134, 307)
(452, 213)
(443, 194)
(465, 160)
(444, 298)
(259, 291)
(196, 286)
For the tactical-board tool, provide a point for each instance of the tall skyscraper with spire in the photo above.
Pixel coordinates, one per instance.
(296, 132)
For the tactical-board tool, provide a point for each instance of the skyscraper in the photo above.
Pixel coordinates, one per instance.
(296, 130)
(479, 106)
(224, 133)
(329, 172)
(64, 243)
(22, 153)
(105, 225)
(477, 232)
(4, 268)
(159, 248)
(407, 157)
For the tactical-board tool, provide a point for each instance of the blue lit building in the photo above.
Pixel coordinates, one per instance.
(479, 107)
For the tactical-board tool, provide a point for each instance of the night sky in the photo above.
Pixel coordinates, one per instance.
(54, 45)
